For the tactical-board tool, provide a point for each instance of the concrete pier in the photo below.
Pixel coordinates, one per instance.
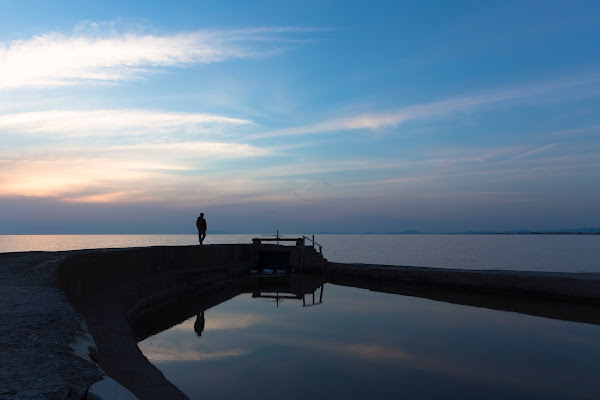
(564, 296)
(577, 287)
(70, 320)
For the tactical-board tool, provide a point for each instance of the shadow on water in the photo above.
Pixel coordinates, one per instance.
(537, 306)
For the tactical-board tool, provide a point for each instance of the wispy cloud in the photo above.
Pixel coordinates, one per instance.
(112, 122)
(172, 151)
(373, 121)
(392, 118)
(586, 130)
(142, 172)
(55, 59)
(535, 151)
(468, 194)
(381, 182)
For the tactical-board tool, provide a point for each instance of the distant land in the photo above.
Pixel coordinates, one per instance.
(580, 231)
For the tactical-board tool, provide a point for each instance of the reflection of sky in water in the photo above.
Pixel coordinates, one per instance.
(361, 344)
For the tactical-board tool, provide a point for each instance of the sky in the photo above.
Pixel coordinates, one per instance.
(311, 116)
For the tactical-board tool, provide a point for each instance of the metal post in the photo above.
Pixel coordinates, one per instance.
(302, 256)
(313, 241)
(322, 259)
(302, 274)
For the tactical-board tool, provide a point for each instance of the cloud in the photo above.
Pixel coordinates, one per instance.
(174, 155)
(318, 167)
(380, 120)
(373, 121)
(221, 172)
(112, 122)
(586, 130)
(211, 150)
(382, 181)
(126, 173)
(535, 151)
(54, 59)
(109, 156)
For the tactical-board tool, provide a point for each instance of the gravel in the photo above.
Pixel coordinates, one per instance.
(38, 329)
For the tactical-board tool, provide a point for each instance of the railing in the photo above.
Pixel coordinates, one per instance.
(304, 239)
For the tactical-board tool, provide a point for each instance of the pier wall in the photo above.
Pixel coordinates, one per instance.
(120, 290)
(563, 286)
(90, 270)
(114, 288)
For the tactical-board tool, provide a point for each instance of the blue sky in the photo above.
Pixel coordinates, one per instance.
(304, 116)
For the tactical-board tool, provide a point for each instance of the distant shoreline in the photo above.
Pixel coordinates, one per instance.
(595, 232)
(538, 233)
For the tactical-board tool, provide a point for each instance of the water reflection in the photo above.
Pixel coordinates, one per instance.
(199, 324)
(364, 344)
(268, 287)
(287, 286)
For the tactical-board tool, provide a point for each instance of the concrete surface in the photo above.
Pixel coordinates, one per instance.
(40, 332)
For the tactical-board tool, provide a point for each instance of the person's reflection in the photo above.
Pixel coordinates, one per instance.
(199, 324)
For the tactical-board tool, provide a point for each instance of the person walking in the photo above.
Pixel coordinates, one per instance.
(201, 225)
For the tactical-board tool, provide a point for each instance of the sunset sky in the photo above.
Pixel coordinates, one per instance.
(305, 116)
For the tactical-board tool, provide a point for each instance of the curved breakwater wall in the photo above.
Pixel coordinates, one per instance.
(90, 270)
(112, 288)
(117, 289)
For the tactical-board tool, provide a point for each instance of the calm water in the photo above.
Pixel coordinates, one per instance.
(359, 344)
(518, 252)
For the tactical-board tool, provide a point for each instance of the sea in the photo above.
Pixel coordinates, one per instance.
(550, 253)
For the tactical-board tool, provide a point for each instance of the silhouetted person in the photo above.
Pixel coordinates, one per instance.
(199, 324)
(201, 225)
